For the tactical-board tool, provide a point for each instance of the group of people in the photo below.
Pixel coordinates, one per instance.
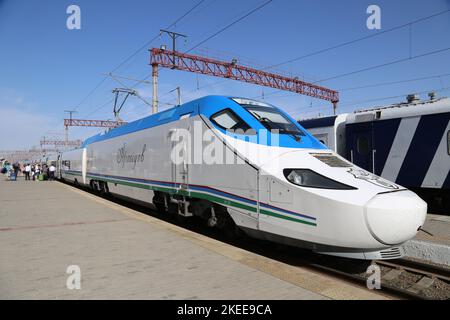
(31, 171)
(11, 170)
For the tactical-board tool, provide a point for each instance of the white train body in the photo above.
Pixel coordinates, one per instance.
(285, 187)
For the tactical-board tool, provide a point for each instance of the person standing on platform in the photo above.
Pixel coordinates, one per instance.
(37, 171)
(16, 169)
(51, 172)
(27, 172)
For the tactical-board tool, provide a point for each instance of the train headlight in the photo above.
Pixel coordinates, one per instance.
(310, 179)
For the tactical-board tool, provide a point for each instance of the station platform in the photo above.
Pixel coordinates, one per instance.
(45, 227)
(433, 246)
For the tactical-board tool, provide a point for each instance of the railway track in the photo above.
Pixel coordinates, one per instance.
(416, 278)
(405, 279)
(401, 278)
(424, 269)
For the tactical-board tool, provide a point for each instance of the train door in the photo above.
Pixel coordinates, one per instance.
(84, 165)
(58, 167)
(180, 154)
(360, 141)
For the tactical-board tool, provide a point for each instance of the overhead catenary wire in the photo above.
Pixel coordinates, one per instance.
(346, 74)
(408, 24)
(111, 100)
(355, 103)
(145, 45)
(226, 27)
(376, 66)
(381, 84)
(126, 78)
(128, 59)
(136, 52)
(410, 57)
(230, 25)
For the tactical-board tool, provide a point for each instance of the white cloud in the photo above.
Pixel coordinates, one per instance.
(21, 127)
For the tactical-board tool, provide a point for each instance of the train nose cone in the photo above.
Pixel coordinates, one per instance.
(394, 218)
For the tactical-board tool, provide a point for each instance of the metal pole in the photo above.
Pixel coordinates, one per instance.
(155, 88)
(179, 95)
(334, 108)
(174, 36)
(67, 136)
(70, 112)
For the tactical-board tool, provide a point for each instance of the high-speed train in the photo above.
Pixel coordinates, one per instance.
(387, 140)
(247, 164)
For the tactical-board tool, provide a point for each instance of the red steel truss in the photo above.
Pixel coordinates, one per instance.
(93, 123)
(206, 66)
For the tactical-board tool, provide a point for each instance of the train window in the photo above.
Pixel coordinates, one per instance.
(448, 143)
(362, 146)
(228, 120)
(273, 119)
(66, 164)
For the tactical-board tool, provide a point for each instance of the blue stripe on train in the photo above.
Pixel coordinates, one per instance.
(384, 133)
(422, 149)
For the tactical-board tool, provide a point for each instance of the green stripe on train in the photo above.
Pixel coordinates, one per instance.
(276, 215)
(182, 192)
(203, 196)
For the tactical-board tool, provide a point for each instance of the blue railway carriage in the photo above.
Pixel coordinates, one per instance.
(407, 143)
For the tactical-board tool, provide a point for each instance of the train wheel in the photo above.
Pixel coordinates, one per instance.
(219, 218)
(104, 190)
(160, 201)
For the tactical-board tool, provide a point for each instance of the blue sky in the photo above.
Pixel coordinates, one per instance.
(46, 68)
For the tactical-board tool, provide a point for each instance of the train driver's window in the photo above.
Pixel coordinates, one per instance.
(228, 120)
(362, 146)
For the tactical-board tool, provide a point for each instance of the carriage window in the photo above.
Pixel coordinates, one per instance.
(362, 146)
(228, 120)
(66, 163)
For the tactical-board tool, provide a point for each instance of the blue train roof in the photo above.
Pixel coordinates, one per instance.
(155, 120)
(206, 106)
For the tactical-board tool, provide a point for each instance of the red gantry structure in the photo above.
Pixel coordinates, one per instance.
(231, 70)
(60, 143)
(93, 123)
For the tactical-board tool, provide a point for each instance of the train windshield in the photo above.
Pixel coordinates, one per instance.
(273, 119)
